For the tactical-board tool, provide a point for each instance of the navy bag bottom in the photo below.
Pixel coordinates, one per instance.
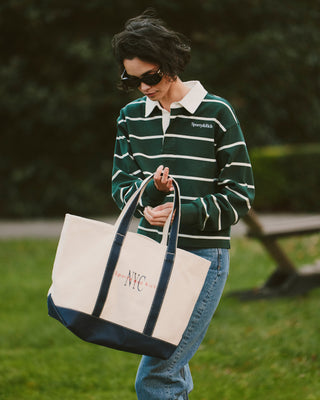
(105, 333)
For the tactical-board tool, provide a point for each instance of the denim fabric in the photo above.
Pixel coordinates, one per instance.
(171, 379)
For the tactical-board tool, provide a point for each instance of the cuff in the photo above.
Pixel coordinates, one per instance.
(152, 196)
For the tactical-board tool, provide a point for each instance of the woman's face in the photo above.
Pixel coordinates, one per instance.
(138, 68)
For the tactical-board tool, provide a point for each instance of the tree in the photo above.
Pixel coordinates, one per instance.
(59, 100)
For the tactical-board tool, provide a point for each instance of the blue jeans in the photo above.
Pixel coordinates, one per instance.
(171, 379)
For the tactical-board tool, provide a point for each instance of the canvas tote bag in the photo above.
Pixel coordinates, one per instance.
(124, 290)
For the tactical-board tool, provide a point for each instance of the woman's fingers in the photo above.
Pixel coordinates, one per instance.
(162, 180)
(158, 215)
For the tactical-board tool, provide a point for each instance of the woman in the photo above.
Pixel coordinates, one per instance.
(177, 128)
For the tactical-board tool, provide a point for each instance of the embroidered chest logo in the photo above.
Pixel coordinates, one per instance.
(201, 125)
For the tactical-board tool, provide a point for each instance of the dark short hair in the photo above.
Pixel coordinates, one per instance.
(147, 38)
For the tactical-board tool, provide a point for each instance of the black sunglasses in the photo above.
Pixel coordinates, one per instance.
(134, 82)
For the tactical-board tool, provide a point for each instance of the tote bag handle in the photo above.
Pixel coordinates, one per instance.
(123, 222)
(122, 226)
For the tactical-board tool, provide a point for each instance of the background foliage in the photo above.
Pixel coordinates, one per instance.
(59, 102)
(296, 188)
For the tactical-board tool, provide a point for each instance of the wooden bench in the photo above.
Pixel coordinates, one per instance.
(287, 279)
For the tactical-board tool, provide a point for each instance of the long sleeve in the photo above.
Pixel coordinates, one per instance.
(233, 188)
(127, 175)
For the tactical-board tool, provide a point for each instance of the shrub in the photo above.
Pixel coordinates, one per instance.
(287, 178)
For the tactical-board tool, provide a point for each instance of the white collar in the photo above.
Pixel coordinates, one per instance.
(191, 101)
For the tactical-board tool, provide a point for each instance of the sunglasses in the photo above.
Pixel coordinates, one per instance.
(132, 82)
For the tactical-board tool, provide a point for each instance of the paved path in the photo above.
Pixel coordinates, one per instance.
(41, 228)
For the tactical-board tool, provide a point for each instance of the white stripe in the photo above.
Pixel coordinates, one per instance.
(184, 197)
(129, 190)
(205, 237)
(146, 137)
(246, 185)
(121, 195)
(240, 184)
(175, 156)
(139, 118)
(123, 155)
(219, 211)
(224, 182)
(205, 139)
(140, 201)
(138, 171)
(149, 230)
(187, 236)
(192, 178)
(238, 164)
(200, 119)
(206, 211)
(228, 146)
(147, 173)
(116, 174)
(121, 137)
(240, 195)
(236, 216)
(222, 102)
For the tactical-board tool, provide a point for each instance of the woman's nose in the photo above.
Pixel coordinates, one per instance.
(143, 86)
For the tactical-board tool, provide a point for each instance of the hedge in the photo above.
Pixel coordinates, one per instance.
(59, 101)
(287, 178)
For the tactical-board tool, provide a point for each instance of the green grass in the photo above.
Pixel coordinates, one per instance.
(266, 349)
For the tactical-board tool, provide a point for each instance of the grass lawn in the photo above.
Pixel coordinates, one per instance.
(266, 349)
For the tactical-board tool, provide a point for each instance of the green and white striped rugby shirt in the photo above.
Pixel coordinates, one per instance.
(201, 142)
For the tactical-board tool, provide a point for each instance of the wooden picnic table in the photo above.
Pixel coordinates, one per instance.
(287, 279)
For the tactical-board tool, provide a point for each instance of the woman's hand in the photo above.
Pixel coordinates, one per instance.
(158, 215)
(162, 181)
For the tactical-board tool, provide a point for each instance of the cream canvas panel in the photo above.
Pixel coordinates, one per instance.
(134, 282)
(81, 259)
(188, 276)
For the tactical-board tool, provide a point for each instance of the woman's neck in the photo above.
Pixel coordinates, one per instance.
(176, 93)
